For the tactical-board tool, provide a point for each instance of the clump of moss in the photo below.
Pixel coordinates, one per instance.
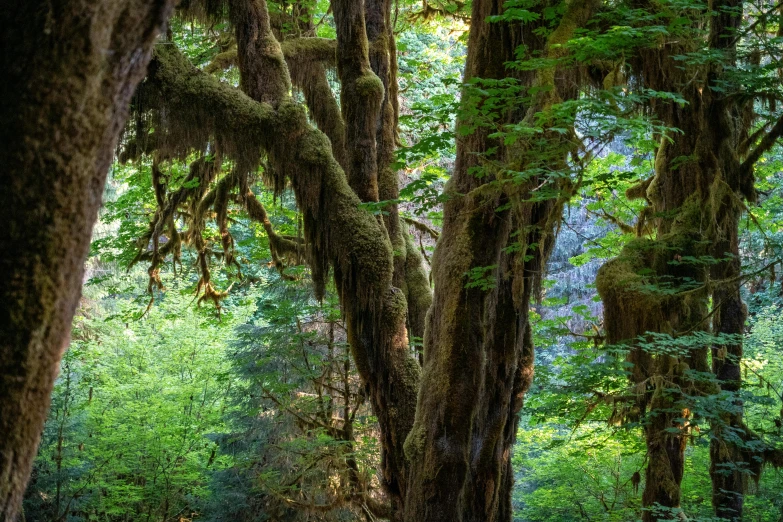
(370, 86)
(222, 61)
(415, 442)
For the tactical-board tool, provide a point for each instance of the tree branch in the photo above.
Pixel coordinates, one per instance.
(766, 143)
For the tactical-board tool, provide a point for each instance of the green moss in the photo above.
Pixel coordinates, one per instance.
(415, 442)
(641, 287)
(222, 61)
(314, 147)
(310, 49)
(370, 86)
(199, 108)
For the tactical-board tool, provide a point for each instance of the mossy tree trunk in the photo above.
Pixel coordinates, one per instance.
(729, 124)
(695, 202)
(478, 354)
(70, 69)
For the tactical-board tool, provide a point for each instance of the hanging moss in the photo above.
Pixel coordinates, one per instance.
(641, 287)
(307, 50)
(205, 11)
(191, 109)
(194, 111)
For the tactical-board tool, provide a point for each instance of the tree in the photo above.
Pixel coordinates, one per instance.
(703, 175)
(71, 67)
(477, 354)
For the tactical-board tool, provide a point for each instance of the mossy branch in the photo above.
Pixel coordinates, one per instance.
(279, 247)
(422, 227)
(200, 109)
(308, 50)
(298, 52)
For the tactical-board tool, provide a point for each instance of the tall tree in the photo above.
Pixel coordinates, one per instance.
(71, 67)
(478, 352)
(703, 175)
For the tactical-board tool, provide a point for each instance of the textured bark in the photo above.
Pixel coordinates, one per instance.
(361, 94)
(728, 462)
(70, 69)
(478, 359)
(695, 200)
(728, 126)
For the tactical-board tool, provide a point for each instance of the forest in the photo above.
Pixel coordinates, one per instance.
(391, 260)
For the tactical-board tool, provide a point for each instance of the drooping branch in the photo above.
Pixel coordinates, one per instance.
(422, 227)
(192, 109)
(338, 233)
(279, 246)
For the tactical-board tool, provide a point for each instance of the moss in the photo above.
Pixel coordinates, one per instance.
(301, 50)
(639, 190)
(291, 118)
(199, 108)
(415, 442)
(576, 14)
(222, 61)
(395, 307)
(311, 78)
(370, 86)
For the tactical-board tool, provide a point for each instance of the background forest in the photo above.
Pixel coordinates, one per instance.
(206, 381)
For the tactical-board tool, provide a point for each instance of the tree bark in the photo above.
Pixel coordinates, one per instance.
(694, 200)
(729, 461)
(70, 69)
(478, 358)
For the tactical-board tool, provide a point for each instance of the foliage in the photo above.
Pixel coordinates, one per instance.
(135, 412)
(166, 410)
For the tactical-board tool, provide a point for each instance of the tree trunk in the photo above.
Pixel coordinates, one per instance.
(478, 354)
(729, 124)
(70, 69)
(693, 201)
